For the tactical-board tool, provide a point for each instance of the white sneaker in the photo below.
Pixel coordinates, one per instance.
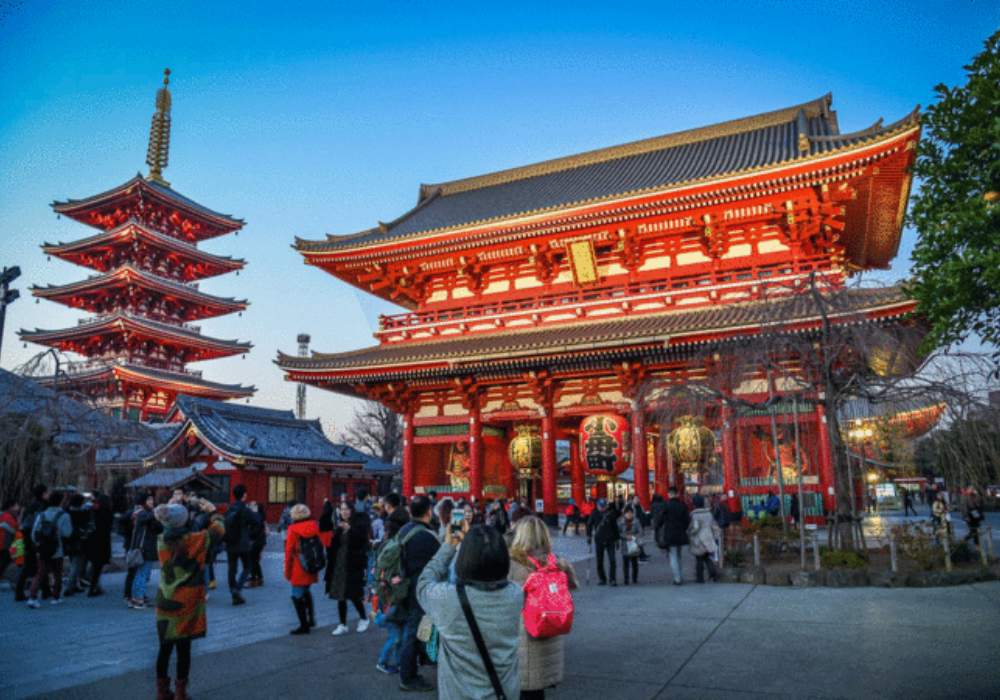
(56, 601)
(34, 603)
(339, 630)
(363, 625)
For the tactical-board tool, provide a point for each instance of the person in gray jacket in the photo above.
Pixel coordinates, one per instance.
(51, 527)
(482, 567)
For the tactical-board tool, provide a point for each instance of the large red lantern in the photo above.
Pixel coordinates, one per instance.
(604, 444)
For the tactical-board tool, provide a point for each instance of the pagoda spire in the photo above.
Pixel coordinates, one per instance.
(159, 133)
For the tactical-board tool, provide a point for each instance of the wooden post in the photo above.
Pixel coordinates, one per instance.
(756, 550)
(893, 563)
(408, 447)
(640, 469)
(946, 543)
(816, 561)
(989, 541)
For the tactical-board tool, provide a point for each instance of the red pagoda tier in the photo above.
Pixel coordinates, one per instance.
(545, 300)
(145, 293)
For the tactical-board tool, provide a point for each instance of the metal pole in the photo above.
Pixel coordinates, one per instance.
(798, 467)
(777, 453)
(815, 541)
(756, 550)
(893, 563)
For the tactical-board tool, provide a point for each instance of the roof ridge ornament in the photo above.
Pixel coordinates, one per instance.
(159, 134)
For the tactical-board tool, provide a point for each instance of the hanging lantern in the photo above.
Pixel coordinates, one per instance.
(525, 451)
(691, 444)
(604, 444)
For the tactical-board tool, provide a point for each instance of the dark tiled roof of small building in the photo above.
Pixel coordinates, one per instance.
(167, 478)
(540, 345)
(132, 452)
(795, 133)
(266, 433)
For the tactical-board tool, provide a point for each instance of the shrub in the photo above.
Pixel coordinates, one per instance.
(842, 559)
(918, 545)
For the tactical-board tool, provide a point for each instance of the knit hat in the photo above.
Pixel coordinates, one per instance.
(172, 515)
(300, 511)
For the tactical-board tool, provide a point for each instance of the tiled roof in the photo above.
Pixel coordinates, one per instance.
(127, 274)
(163, 191)
(132, 452)
(264, 433)
(142, 327)
(539, 346)
(176, 381)
(167, 478)
(792, 134)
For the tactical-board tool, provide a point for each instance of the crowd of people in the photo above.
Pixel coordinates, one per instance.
(447, 580)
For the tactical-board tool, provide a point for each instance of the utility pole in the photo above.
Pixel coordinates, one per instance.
(7, 295)
(300, 390)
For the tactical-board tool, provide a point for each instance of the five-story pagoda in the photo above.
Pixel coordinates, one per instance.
(145, 293)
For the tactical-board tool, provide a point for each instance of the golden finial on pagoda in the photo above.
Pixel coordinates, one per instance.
(159, 133)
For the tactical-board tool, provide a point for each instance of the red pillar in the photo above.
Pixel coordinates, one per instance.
(826, 475)
(408, 447)
(551, 507)
(578, 488)
(640, 469)
(660, 467)
(730, 481)
(475, 453)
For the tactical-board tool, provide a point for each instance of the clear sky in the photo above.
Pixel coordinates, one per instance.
(308, 118)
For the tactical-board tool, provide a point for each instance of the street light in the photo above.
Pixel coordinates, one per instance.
(7, 295)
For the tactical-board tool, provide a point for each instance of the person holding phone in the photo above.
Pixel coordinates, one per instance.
(347, 561)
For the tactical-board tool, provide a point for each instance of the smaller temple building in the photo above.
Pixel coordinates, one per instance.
(278, 457)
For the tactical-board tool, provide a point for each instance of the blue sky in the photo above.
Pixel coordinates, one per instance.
(308, 118)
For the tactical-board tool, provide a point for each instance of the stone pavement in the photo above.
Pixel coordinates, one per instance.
(649, 641)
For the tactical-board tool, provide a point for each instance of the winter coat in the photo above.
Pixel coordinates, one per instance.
(347, 560)
(703, 532)
(180, 597)
(604, 525)
(63, 524)
(671, 524)
(97, 547)
(147, 527)
(629, 531)
(80, 517)
(295, 574)
(461, 673)
(541, 662)
(240, 523)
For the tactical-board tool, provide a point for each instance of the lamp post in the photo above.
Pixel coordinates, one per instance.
(7, 295)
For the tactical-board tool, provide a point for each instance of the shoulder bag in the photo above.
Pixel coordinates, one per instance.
(134, 557)
(480, 642)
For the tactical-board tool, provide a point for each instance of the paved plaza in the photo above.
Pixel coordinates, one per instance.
(654, 640)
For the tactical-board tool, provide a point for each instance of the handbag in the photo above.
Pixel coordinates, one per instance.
(632, 548)
(134, 556)
(425, 629)
(480, 642)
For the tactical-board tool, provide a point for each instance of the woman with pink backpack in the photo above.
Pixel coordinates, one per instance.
(541, 661)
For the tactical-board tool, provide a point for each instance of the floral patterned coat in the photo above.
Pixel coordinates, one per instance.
(180, 599)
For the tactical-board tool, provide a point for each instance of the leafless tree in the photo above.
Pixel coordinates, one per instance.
(376, 430)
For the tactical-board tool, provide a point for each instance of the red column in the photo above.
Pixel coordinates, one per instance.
(730, 480)
(640, 469)
(826, 475)
(660, 467)
(551, 507)
(408, 465)
(475, 453)
(579, 491)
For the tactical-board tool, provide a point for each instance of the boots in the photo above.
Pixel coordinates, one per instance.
(163, 691)
(310, 610)
(180, 689)
(238, 599)
(300, 610)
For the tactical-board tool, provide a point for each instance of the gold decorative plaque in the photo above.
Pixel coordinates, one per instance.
(584, 262)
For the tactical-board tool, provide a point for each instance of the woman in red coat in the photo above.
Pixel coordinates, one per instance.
(302, 528)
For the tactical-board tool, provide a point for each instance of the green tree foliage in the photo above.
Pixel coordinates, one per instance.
(956, 261)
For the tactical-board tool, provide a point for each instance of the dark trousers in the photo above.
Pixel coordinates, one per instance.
(603, 548)
(28, 572)
(48, 567)
(95, 567)
(233, 561)
(700, 564)
(408, 648)
(4, 562)
(573, 520)
(129, 580)
(630, 564)
(532, 695)
(907, 507)
(973, 534)
(342, 609)
(183, 647)
(256, 572)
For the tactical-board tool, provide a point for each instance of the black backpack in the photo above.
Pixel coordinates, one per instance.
(312, 554)
(47, 536)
